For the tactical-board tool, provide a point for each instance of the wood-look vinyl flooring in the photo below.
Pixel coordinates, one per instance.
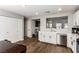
(35, 46)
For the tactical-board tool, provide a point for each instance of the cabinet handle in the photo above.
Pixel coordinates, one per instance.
(70, 37)
(7, 32)
(44, 36)
(49, 36)
(71, 42)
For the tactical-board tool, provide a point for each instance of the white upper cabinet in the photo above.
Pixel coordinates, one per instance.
(76, 18)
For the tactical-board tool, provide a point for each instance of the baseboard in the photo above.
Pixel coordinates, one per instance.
(64, 46)
(61, 45)
(25, 37)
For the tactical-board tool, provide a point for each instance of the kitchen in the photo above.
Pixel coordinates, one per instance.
(62, 35)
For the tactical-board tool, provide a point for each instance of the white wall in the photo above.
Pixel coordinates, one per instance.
(33, 26)
(43, 22)
(70, 23)
(11, 26)
(10, 14)
(29, 28)
(25, 27)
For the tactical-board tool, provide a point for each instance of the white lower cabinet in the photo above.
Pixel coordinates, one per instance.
(69, 41)
(74, 43)
(58, 39)
(48, 37)
(54, 38)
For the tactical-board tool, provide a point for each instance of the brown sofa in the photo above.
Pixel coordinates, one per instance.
(8, 47)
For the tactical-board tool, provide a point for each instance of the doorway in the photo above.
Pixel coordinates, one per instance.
(35, 28)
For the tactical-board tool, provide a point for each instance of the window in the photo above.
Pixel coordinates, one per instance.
(51, 22)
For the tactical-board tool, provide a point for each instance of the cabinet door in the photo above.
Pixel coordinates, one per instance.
(58, 39)
(51, 37)
(20, 29)
(74, 44)
(47, 37)
(40, 36)
(76, 18)
(69, 41)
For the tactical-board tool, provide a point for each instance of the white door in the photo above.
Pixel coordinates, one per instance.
(20, 29)
(2, 30)
(12, 29)
(16, 29)
(8, 28)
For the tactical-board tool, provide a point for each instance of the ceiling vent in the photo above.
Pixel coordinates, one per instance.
(47, 12)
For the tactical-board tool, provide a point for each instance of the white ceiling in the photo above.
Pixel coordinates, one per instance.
(32, 10)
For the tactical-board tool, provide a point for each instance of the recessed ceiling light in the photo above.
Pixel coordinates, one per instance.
(36, 13)
(59, 9)
(23, 6)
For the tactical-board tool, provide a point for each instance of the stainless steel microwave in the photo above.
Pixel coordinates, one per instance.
(75, 30)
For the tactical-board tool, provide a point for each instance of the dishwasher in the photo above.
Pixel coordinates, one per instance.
(63, 40)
